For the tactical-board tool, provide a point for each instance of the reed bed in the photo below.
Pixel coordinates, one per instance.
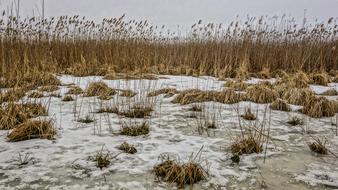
(34, 49)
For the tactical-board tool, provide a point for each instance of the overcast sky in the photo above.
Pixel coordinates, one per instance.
(180, 12)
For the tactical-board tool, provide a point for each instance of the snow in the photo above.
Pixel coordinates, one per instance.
(64, 163)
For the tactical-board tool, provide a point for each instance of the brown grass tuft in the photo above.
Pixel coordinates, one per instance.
(330, 92)
(14, 95)
(247, 144)
(261, 94)
(32, 129)
(294, 120)
(236, 85)
(50, 88)
(167, 91)
(67, 98)
(99, 89)
(320, 107)
(248, 115)
(228, 96)
(127, 148)
(298, 96)
(320, 79)
(135, 129)
(128, 93)
(318, 146)
(14, 114)
(171, 171)
(36, 94)
(281, 105)
(75, 90)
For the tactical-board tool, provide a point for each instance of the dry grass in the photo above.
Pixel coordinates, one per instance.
(228, 96)
(141, 111)
(127, 148)
(318, 146)
(135, 129)
(36, 94)
(236, 85)
(330, 92)
(320, 107)
(87, 119)
(108, 109)
(124, 76)
(248, 115)
(196, 108)
(189, 173)
(50, 88)
(102, 158)
(100, 89)
(167, 91)
(128, 93)
(75, 90)
(15, 114)
(31, 130)
(298, 96)
(261, 94)
(34, 49)
(294, 120)
(320, 78)
(67, 98)
(280, 105)
(12, 95)
(247, 144)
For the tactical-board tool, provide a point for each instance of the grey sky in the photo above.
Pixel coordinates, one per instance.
(181, 12)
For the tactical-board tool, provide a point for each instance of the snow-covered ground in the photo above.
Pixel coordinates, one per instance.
(63, 163)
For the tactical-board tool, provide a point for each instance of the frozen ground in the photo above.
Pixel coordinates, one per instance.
(63, 163)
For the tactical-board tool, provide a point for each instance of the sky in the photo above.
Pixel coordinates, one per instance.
(179, 12)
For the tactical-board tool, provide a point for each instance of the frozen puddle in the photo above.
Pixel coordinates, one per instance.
(63, 163)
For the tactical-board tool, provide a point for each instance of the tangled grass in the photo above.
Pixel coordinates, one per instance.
(31, 130)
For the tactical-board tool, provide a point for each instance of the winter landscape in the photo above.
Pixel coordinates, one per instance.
(125, 104)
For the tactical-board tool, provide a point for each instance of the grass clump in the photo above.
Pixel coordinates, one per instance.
(228, 96)
(247, 144)
(127, 148)
(31, 130)
(298, 96)
(330, 92)
(167, 91)
(320, 79)
(108, 110)
(49, 88)
(294, 120)
(128, 93)
(14, 95)
(135, 129)
(320, 107)
(137, 112)
(236, 85)
(75, 90)
(14, 114)
(318, 146)
(67, 98)
(170, 170)
(261, 94)
(248, 115)
(281, 105)
(86, 119)
(36, 94)
(196, 108)
(102, 158)
(99, 89)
